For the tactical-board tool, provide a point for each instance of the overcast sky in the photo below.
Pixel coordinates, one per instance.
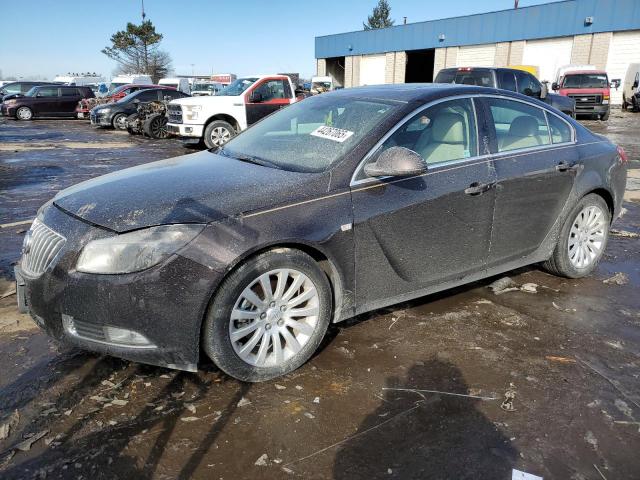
(41, 37)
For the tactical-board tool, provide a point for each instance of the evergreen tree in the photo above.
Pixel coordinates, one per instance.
(380, 18)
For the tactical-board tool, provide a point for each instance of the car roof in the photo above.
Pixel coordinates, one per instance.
(410, 92)
(577, 72)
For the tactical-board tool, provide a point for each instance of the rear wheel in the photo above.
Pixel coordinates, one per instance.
(119, 121)
(24, 113)
(582, 240)
(156, 126)
(268, 316)
(218, 133)
(625, 105)
(605, 116)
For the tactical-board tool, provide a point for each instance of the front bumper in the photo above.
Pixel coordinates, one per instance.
(7, 111)
(165, 304)
(100, 119)
(591, 109)
(188, 133)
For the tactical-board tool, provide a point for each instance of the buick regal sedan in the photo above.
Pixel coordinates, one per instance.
(341, 204)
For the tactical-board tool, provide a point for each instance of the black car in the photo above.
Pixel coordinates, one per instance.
(114, 115)
(508, 79)
(17, 89)
(46, 101)
(337, 205)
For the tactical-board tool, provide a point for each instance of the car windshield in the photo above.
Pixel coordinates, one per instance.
(586, 80)
(238, 87)
(482, 78)
(113, 86)
(203, 87)
(312, 135)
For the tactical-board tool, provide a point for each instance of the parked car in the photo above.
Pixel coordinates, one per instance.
(589, 88)
(114, 115)
(85, 106)
(631, 90)
(217, 119)
(340, 204)
(46, 101)
(512, 79)
(17, 89)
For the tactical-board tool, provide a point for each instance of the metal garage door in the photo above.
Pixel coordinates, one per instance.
(548, 55)
(624, 49)
(372, 69)
(476, 56)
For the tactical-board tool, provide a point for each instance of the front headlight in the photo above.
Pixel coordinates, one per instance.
(104, 110)
(135, 251)
(192, 111)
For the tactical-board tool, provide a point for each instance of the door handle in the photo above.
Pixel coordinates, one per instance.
(566, 167)
(477, 188)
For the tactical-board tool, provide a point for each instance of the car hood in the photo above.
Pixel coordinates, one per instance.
(199, 188)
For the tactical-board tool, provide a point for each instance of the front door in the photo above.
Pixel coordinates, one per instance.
(416, 232)
(266, 97)
(46, 101)
(536, 164)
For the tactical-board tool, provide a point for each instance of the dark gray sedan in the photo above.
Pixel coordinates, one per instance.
(337, 205)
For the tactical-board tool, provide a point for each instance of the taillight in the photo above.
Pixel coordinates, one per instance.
(622, 154)
(465, 69)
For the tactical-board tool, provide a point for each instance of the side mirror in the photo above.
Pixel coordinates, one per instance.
(544, 91)
(256, 97)
(555, 87)
(635, 85)
(396, 162)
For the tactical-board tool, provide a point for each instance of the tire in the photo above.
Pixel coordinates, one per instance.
(218, 133)
(565, 264)
(625, 105)
(118, 121)
(24, 113)
(220, 324)
(130, 119)
(634, 104)
(156, 126)
(605, 116)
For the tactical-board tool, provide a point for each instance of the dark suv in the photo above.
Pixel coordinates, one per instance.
(46, 101)
(17, 89)
(115, 114)
(507, 79)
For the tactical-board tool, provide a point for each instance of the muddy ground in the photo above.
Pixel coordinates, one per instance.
(413, 391)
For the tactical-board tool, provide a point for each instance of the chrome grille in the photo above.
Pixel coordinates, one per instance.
(587, 99)
(41, 245)
(174, 113)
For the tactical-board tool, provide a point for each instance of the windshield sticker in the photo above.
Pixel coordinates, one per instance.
(332, 133)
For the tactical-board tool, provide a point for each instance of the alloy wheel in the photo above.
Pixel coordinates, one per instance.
(274, 317)
(587, 236)
(24, 113)
(220, 136)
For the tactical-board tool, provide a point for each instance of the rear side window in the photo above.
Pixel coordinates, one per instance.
(69, 92)
(560, 131)
(441, 133)
(518, 125)
(47, 92)
(147, 96)
(507, 80)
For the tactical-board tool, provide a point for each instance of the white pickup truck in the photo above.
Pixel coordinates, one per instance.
(217, 119)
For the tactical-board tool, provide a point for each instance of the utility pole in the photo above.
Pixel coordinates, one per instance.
(143, 14)
(405, 19)
(515, 4)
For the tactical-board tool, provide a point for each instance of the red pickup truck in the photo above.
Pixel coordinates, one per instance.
(589, 88)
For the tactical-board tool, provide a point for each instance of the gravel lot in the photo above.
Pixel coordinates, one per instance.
(412, 391)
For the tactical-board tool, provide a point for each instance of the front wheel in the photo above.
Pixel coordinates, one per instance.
(24, 113)
(605, 116)
(218, 133)
(268, 316)
(583, 239)
(119, 121)
(625, 105)
(156, 126)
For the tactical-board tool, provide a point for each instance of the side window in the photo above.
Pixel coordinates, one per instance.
(24, 88)
(15, 88)
(507, 80)
(518, 125)
(271, 90)
(446, 131)
(147, 96)
(560, 131)
(528, 85)
(47, 92)
(69, 92)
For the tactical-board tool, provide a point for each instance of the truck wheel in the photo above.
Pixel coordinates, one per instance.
(605, 116)
(218, 133)
(118, 121)
(156, 126)
(634, 104)
(131, 121)
(24, 113)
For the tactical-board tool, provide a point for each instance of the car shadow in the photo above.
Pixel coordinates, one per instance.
(426, 435)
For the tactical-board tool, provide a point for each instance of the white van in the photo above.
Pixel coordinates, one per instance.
(79, 80)
(631, 87)
(134, 79)
(180, 84)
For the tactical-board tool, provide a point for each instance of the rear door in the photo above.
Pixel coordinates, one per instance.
(69, 99)
(415, 232)
(274, 93)
(536, 163)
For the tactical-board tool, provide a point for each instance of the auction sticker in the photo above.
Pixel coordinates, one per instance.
(332, 133)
